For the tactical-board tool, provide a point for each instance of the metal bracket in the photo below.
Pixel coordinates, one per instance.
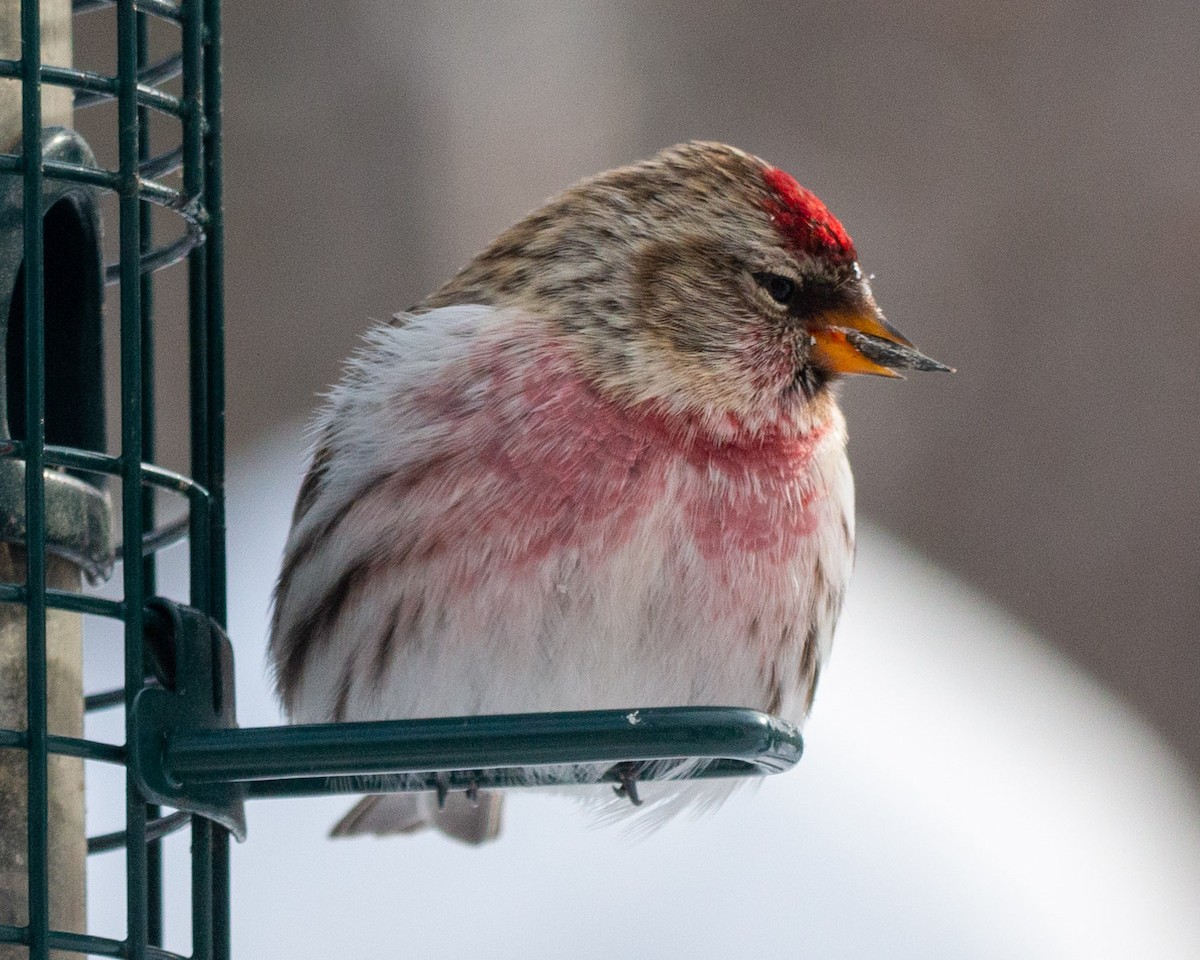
(202, 700)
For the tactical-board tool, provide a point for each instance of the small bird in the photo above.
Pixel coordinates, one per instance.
(603, 467)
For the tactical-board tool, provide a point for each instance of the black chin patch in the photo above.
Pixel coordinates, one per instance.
(808, 380)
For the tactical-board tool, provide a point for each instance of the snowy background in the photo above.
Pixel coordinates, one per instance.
(1022, 178)
(965, 794)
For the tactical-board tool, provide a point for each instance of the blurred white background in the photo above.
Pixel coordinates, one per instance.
(965, 794)
(1022, 178)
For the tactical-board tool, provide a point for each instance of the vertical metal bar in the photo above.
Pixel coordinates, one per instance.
(35, 519)
(202, 889)
(195, 57)
(154, 851)
(137, 921)
(198, 540)
(215, 477)
(193, 188)
(222, 949)
(215, 205)
(146, 294)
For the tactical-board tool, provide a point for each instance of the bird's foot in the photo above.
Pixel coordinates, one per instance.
(627, 773)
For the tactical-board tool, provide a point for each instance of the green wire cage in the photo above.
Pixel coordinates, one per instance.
(54, 400)
(186, 764)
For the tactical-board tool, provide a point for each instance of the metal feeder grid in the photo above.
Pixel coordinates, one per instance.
(182, 749)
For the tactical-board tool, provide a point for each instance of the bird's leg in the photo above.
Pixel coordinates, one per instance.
(473, 792)
(627, 773)
(442, 786)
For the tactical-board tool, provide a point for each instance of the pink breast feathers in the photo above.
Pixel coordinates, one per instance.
(569, 469)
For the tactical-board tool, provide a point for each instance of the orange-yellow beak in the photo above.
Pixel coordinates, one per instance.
(860, 340)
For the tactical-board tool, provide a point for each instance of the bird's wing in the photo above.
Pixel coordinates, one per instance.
(385, 430)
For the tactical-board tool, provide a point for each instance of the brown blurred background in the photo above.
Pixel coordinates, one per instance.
(1022, 178)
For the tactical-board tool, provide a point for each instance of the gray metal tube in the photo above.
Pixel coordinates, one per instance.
(64, 682)
(68, 842)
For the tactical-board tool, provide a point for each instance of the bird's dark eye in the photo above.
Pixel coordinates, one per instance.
(780, 288)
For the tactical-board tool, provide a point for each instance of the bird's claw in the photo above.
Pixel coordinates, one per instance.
(627, 773)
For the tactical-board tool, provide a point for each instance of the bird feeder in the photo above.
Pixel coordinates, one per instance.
(187, 764)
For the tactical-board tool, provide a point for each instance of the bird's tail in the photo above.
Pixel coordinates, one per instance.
(471, 820)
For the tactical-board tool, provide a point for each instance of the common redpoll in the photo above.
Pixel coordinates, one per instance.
(602, 467)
